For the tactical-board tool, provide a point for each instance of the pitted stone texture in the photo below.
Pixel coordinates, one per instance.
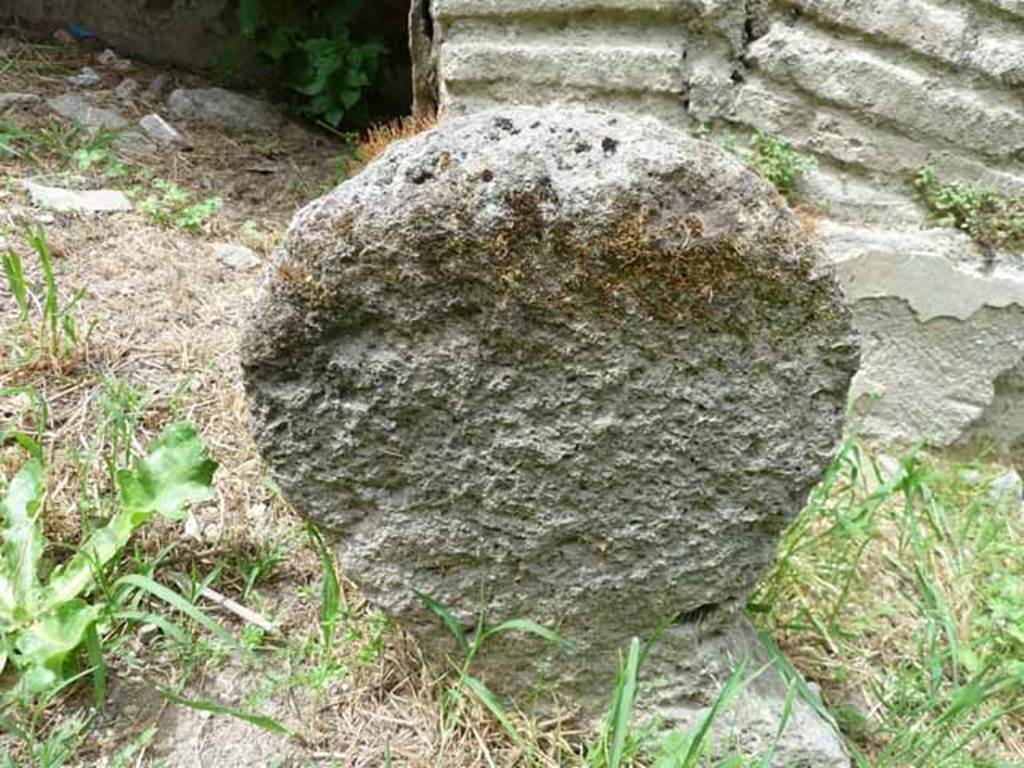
(866, 86)
(563, 365)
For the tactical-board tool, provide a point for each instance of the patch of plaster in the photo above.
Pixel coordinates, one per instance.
(935, 378)
(930, 269)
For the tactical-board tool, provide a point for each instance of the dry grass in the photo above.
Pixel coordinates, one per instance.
(163, 316)
(382, 136)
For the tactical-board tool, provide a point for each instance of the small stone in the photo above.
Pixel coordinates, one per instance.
(110, 59)
(235, 256)
(972, 478)
(87, 77)
(10, 102)
(160, 131)
(224, 109)
(78, 201)
(126, 89)
(1007, 491)
(77, 107)
(157, 88)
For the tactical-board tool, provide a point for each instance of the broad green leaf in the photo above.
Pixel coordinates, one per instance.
(175, 473)
(262, 721)
(250, 17)
(71, 579)
(43, 647)
(22, 541)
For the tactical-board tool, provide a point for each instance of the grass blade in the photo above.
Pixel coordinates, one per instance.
(527, 627)
(488, 699)
(6, 724)
(175, 600)
(696, 745)
(330, 594)
(14, 271)
(453, 625)
(99, 666)
(260, 721)
(169, 628)
(622, 704)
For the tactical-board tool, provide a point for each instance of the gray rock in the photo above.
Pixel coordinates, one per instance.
(561, 365)
(972, 478)
(160, 131)
(78, 201)
(752, 719)
(87, 77)
(78, 107)
(157, 88)
(1007, 491)
(108, 58)
(10, 102)
(236, 256)
(224, 109)
(127, 89)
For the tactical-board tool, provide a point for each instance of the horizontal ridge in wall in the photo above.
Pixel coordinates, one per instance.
(625, 68)
(468, 96)
(840, 135)
(951, 35)
(874, 87)
(444, 9)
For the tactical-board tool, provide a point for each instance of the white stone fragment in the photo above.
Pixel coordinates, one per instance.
(160, 131)
(78, 201)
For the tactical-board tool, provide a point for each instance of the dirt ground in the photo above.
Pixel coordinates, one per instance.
(158, 325)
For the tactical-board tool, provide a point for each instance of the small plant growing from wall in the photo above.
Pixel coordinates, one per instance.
(778, 162)
(992, 219)
(316, 54)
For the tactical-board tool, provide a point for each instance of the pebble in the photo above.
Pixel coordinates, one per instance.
(127, 89)
(78, 201)
(160, 131)
(110, 59)
(236, 256)
(1007, 491)
(12, 101)
(87, 77)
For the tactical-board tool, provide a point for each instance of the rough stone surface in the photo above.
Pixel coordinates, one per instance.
(567, 365)
(127, 89)
(752, 719)
(10, 102)
(236, 256)
(78, 107)
(78, 201)
(866, 86)
(223, 108)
